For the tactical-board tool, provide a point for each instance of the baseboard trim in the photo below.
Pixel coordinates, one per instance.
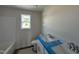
(24, 47)
(15, 52)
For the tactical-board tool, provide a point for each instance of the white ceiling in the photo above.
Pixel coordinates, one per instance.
(29, 7)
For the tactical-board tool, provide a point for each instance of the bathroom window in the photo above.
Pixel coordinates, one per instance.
(25, 21)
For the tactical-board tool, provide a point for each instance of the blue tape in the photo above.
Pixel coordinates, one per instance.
(49, 50)
(54, 43)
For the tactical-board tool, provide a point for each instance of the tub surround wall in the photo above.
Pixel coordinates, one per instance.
(62, 21)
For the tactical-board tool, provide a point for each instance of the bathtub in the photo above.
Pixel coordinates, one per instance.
(7, 47)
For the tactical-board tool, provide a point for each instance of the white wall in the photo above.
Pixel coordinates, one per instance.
(23, 37)
(7, 29)
(62, 21)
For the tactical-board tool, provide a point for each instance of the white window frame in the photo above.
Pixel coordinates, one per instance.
(22, 24)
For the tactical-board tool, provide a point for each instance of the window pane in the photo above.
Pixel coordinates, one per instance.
(25, 21)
